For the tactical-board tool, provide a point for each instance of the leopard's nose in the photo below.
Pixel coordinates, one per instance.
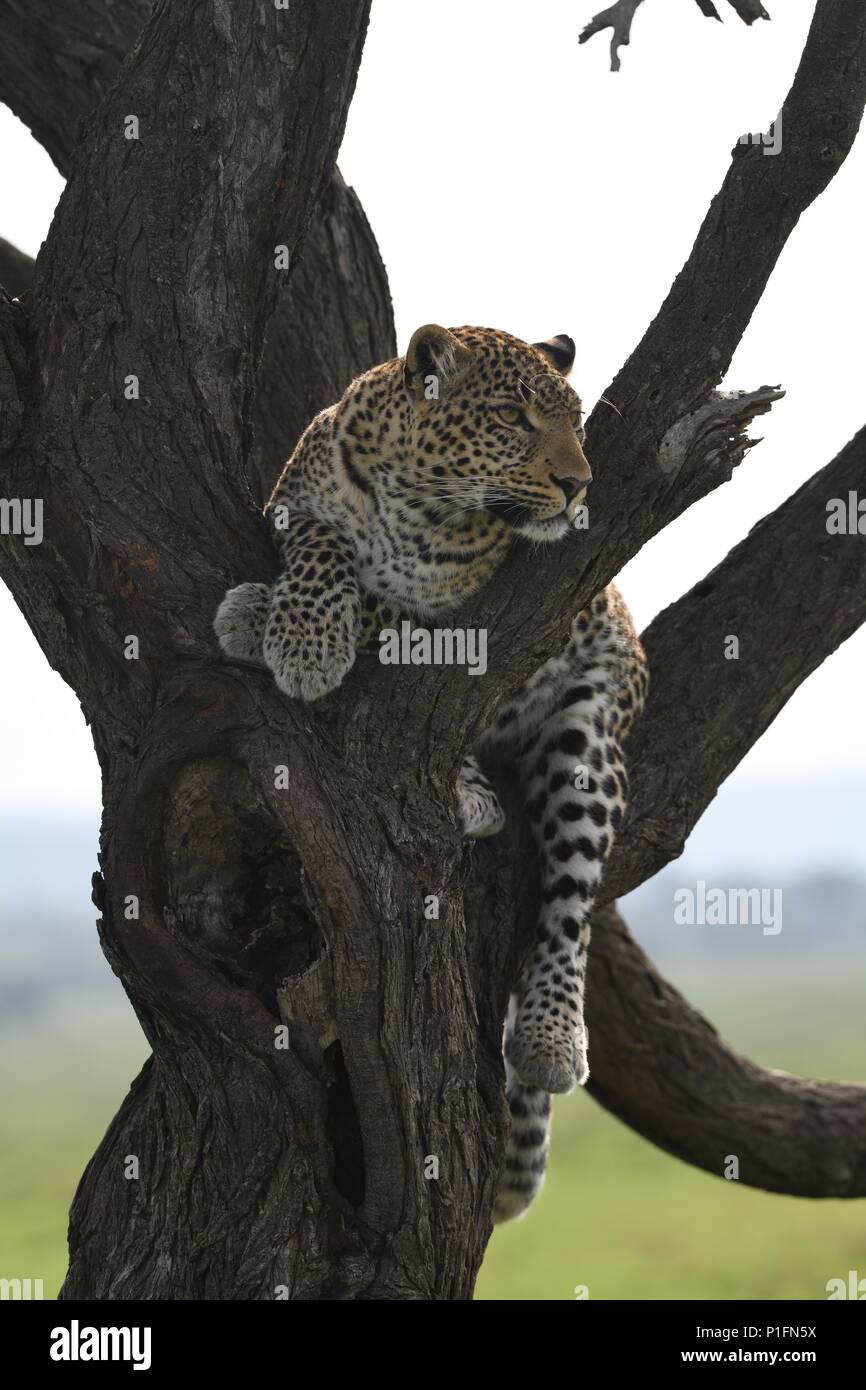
(571, 486)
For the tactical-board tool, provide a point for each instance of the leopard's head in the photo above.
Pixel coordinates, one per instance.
(495, 426)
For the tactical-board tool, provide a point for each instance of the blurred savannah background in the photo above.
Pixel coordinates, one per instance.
(566, 204)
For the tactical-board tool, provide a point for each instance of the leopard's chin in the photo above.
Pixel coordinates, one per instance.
(554, 529)
(524, 521)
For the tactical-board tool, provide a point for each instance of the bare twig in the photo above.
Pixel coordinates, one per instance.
(749, 10)
(619, 16)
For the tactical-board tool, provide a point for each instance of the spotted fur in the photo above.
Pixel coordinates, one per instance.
(403, 498)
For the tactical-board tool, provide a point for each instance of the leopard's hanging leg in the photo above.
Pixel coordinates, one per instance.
(516, 723)
(575, 784)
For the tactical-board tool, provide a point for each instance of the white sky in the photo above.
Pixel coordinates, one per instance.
(513, 181)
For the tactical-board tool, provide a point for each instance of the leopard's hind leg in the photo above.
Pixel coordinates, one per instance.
(517, 722)
(575, 784)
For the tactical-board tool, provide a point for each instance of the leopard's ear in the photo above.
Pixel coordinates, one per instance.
(434, 358)
(559, 351)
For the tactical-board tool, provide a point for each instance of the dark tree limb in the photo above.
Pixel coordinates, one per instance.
(663, 1070)
(58, 61)
(791, 592)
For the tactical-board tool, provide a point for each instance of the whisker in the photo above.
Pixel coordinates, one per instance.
(612, 406)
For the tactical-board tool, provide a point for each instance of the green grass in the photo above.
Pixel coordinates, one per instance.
(66, 1086)
(616, 1214)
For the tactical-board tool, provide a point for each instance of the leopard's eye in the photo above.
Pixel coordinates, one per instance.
(509, 414)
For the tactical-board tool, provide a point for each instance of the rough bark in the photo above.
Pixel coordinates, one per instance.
(261, 841)
(58, 61)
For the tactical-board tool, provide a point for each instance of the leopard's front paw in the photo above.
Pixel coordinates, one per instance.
(309, 664)
(240, 622)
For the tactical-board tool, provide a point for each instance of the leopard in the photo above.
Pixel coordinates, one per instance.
(403, 499)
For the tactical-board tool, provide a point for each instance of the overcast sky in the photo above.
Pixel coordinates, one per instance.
(513, 181)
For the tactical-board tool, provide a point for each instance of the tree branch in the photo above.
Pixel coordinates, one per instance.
(619, 16)
(663, 1070)
(58, 61)
(704, 712)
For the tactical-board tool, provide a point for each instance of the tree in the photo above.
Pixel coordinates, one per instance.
(158, 367)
